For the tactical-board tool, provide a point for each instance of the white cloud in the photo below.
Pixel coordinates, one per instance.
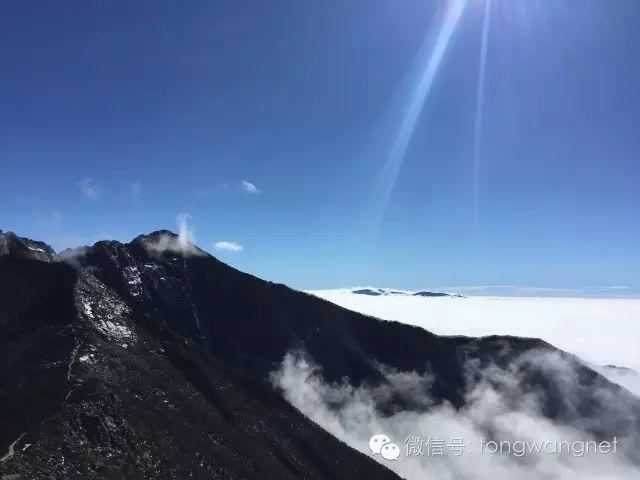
(90, 189)
(249, 187)
(228, 246)
(72, 255)
(497, 400)
(625, 377)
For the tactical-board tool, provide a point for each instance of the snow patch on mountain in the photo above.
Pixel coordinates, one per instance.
(386, 292)
(104, 309)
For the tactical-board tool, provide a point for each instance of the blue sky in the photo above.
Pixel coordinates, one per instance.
(369, 151)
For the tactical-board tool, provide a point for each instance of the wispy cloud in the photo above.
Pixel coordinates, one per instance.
(613, 287)
(228, 246)
(183, 243)
(135, 188)
(249, 187)
(77, 241)
(90, 189)
(210, 190)
(185, 232)
(50, 218)
(205, 192)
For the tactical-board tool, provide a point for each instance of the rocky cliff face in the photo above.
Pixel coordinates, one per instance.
(18, 247)
(152, 360)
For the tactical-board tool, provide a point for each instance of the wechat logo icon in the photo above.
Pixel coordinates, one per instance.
(380, 444)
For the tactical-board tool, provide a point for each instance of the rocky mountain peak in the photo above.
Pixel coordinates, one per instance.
(14, 246)
(156, 235)
(165, 241)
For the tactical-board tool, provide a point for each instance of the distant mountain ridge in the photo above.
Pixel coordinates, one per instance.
(376, 292)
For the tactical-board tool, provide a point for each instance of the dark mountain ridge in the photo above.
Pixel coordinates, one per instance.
(92, 388)
(151, 360)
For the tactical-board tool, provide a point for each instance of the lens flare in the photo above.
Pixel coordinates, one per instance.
(428, 64)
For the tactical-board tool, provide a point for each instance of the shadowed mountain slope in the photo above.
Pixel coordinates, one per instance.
(87, 392)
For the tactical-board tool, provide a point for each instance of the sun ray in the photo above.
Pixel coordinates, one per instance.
(477, 134)
(429, 61)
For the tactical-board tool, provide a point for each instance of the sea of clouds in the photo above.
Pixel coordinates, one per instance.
(600, 331)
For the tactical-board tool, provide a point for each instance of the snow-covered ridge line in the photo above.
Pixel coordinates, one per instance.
(379, 291)
(11, 450)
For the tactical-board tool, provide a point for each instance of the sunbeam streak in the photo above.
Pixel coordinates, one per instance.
(430, 58)
(477, 134)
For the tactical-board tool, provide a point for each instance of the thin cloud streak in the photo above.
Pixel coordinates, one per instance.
(135, 188)
(477, 134)
(90, 189)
